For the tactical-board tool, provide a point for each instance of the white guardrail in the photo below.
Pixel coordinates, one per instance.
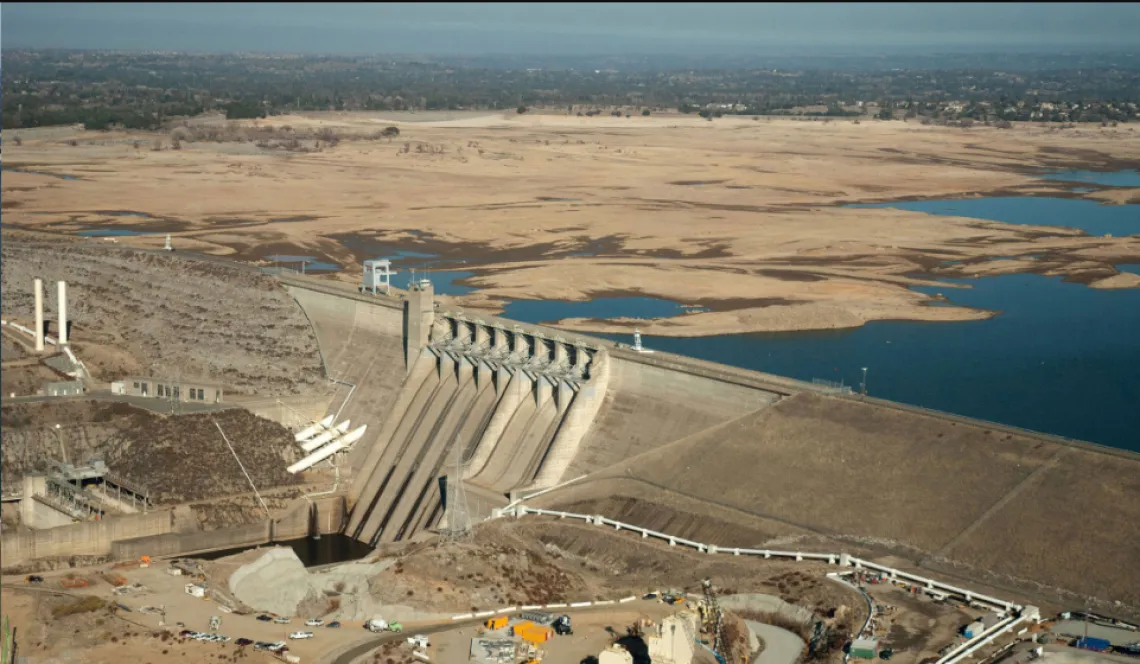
(1013, 614)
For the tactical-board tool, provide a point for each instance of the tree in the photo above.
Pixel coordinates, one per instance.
(521, 109)
(645, 112)
(885, 114)
(390, 132)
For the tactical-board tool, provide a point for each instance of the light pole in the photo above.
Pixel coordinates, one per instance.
(864, 387)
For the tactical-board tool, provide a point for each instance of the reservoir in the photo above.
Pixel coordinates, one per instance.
(1061, 358)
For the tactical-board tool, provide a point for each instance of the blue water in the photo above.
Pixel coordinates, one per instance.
(397, 255)
(1061, 358)
(545, 311)
(1116, 179)
(443, 281)
(1134, 268)
(1089, 216)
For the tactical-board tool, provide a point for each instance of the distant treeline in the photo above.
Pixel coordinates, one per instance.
(143, 91)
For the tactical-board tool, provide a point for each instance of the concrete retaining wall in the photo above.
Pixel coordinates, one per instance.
(90, 538)
(175, 544)
(153, 534)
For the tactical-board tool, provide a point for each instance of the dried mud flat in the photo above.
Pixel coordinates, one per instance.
(141, 313)
(735, 212)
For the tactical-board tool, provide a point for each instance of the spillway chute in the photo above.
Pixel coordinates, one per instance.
(313, 429)
(316, 457)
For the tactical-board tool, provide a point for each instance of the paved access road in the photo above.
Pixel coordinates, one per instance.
(780, 645)
(346, 656)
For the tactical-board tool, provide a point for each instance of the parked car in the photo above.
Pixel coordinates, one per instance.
(243, 642)
(333, 624)
(35, 578)
(314, 622)
(281, 621)
(264, 618)
(301, 635)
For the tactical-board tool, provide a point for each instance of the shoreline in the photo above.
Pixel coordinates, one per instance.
(594, 211)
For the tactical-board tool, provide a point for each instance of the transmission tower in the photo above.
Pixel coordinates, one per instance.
(458, 518)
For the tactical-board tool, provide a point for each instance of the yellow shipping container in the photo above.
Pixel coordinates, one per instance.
(534, 634)
(498, 622)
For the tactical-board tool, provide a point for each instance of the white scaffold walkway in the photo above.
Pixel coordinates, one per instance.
(1013, 615)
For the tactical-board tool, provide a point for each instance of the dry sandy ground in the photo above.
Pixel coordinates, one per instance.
(737, 215)
(133, 313)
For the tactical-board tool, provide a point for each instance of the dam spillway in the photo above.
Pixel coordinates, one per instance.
(524, 407)
(505, 404)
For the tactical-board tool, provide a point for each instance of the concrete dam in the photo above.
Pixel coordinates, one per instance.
(703, 450)
(513, 407)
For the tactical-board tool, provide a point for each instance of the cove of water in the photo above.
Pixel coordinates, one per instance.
(443, 281)
(545, 311)
(1114, 179)
(1089, 216)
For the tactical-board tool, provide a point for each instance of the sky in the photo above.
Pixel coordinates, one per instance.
(572, 28)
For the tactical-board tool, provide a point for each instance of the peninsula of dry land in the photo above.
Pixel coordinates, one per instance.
(740, 218)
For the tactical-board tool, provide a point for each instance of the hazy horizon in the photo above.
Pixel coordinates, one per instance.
(561, 29)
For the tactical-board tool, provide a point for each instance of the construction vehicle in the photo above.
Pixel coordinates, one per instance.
(395, 627)
(376, 624)
(562, 626)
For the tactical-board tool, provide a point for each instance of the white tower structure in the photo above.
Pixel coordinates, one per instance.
(39, 315)
(168, 246)
(377, 274)
(637, 340)
(62, 294)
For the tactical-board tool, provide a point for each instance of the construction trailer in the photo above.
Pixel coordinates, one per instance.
(864, 648)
